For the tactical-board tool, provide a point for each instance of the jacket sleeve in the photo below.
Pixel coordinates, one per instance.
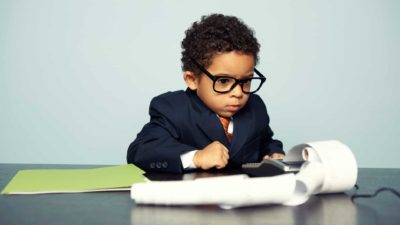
(156, 148)
(271, 145)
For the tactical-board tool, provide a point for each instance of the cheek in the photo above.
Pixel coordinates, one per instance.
(205, 90)
(245, 98)
(206, 95)
(211, 99)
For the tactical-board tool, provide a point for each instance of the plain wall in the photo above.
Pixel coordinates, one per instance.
(77, 76)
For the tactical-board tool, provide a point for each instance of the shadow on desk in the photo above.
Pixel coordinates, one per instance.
(327, 209)
(191, 175)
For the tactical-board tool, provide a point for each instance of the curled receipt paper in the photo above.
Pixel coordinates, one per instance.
(329, 167)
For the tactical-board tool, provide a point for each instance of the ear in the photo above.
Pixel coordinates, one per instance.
(191, 80)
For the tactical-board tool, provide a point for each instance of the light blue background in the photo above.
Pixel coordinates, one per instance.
(77, 76)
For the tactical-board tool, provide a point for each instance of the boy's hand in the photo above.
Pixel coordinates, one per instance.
(275, 156)
(213, 155)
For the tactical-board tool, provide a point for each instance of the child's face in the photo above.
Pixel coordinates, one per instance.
(232, 64)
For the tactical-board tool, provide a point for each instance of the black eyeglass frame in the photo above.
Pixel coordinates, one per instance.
(237, 81)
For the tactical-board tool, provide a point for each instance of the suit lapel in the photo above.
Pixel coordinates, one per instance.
(212, 128)
(241, 130)
(208, 121)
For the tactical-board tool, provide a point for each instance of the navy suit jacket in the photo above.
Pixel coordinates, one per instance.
(180, 122)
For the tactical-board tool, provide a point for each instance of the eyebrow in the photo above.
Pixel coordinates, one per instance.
(232, 76)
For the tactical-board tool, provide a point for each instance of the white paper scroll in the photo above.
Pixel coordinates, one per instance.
(337, 162)
(308, 182)
(329, 167)
(229, 191)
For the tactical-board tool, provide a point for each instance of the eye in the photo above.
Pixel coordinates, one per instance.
(223, 80)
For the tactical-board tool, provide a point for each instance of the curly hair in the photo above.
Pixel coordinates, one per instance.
(213, 34)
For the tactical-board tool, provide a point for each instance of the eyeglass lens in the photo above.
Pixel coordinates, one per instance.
(225, 84)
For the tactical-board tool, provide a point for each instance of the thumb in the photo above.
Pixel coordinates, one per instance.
(266, 157)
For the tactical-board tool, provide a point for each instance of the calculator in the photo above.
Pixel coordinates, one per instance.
(271, 167)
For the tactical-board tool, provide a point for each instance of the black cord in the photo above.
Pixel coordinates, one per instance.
(393, 191)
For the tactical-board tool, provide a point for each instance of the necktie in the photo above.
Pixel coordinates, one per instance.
(225, 123)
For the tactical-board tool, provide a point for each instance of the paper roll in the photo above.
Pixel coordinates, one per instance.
(338, 162)
(229, 192)
(310, 155)
(311, 175)
(308, 181)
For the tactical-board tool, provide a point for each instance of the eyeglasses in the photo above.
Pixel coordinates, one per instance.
(225, 84)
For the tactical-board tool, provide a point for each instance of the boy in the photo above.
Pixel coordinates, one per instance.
(218, 121)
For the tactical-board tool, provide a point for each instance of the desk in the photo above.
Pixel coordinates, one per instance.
(115, 208)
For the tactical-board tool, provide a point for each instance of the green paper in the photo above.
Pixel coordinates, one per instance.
(74, 180)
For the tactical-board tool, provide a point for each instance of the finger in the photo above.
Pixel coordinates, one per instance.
(277, 156)
(266, 157)
(224, 161)
(220, 166)
(226, 154)
(221, 162)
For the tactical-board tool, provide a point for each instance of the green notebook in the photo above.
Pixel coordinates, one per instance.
(40, 181)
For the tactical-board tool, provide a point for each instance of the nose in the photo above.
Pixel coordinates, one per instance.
(237, 91)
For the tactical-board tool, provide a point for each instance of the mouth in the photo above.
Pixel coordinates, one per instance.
(232, 108)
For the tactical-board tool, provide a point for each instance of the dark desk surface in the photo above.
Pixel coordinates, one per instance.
(117, 207)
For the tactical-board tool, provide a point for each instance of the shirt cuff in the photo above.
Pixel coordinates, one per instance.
(187, 160)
